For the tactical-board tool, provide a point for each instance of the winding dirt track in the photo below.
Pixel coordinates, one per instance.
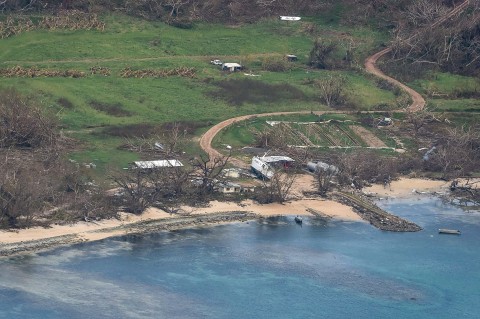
(418, 102)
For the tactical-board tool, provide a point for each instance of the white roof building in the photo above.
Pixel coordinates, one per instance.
(157, 164)
(290, 18)
(231, 66)
(274, 159)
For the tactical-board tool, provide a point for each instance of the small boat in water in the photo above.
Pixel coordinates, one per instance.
(449, 231)
(298, 219)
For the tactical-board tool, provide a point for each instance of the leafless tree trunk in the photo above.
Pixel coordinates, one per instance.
(140, 188)
(323, 180)
(26, 188)
(331, 89)
(359, 168)
(176, 5)
(208, 171)
(419, 119)
(457, 152)
(425, 12)
(278, 188)
(272, 137)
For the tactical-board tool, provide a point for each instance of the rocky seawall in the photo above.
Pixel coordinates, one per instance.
(375, 215)
(144, 227)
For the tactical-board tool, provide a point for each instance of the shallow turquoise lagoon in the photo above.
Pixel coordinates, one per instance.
(271, 269)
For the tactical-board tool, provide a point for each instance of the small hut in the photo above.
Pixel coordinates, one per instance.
(232, 67)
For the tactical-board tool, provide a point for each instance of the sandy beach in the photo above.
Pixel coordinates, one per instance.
(91, 231)
(405, 187)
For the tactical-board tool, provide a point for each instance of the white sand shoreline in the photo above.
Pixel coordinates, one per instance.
(92, 231)
(406, 187)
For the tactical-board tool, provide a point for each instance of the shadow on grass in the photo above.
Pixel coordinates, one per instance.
(110, 109)
(239, 92)
(144, 130)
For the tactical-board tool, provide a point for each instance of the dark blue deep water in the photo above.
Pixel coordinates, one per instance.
(274, 269)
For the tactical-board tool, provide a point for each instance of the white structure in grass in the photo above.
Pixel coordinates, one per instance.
(290, 18)
(157, 164)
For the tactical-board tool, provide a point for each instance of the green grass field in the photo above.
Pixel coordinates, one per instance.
(450, 92)
(321, 135)
(83, 104)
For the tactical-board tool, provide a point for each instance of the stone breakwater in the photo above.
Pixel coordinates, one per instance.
(38, 245)
(376, 216)
(156, 225)
(144, 227)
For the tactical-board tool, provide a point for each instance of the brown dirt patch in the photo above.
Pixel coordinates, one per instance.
(367, 136)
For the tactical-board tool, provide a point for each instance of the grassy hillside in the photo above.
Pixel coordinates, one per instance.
(87, 105)
(450, 92)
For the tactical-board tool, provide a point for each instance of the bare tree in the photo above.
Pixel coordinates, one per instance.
(277, 189)
(457, 152)
(24, 123)
(168, 140)
(178, 181)
(331, 89)
(175, 6)
(324, 180)
(27, 188)
(453, 45)
(207, 172)
(139, 188)
(173, 139)
(419, 119)
(424, 12)
(145, 8)
(272, 136)
(359, 168)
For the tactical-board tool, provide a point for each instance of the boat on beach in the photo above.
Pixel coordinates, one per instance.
(298, 219)
(449, 231)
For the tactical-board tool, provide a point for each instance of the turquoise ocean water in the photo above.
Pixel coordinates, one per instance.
(273, 269)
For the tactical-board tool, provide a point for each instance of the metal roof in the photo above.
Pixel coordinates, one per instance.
(158, 164)
(273, 159)
(232, 65)
(289, 18)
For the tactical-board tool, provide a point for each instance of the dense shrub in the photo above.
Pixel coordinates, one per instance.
(24, 123)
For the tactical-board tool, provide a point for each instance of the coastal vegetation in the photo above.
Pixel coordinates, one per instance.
(98, 88)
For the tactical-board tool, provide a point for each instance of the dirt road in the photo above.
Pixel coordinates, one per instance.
(418, 102)
(207, 138)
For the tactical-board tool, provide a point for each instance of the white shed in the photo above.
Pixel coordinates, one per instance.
(228, 187)
(290, 18)
(232, 67)
(157, 164)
